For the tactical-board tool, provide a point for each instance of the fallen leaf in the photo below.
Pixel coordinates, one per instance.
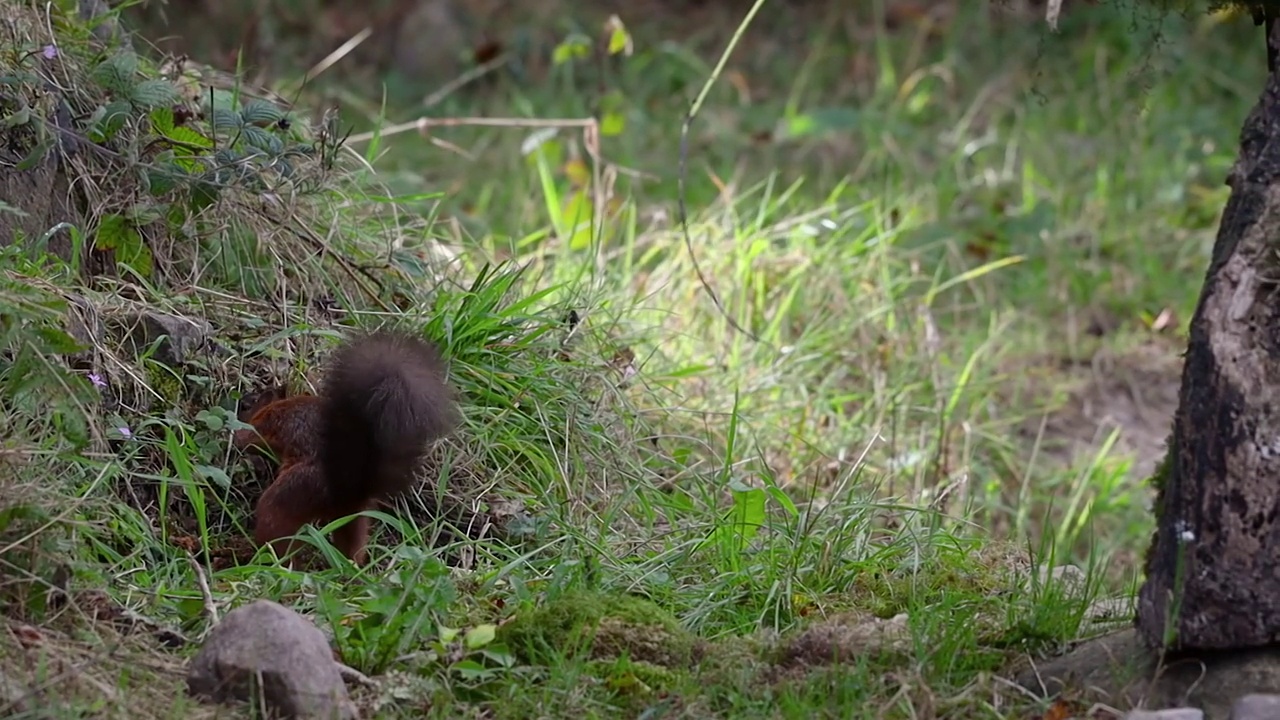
(1063, 710)
(1164, 320)
(28, 635)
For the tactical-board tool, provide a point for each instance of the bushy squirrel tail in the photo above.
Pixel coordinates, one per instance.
(386, 398)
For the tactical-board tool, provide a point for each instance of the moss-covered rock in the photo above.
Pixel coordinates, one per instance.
(604, 626)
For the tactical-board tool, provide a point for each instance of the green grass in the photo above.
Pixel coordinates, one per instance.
(656, 515)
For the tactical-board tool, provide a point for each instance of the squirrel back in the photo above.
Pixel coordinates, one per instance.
(353, 445)
(384, 399)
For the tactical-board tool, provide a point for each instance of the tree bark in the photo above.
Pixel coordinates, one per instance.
(1213, 567)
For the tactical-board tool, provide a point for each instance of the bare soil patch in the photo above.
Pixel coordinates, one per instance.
(1130, 389)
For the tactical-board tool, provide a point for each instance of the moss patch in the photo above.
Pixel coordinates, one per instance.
(605, 626)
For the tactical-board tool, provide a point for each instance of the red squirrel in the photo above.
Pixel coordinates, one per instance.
(355, 444)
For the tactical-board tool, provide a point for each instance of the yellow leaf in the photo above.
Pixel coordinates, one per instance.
(619, 38)
(577, 172)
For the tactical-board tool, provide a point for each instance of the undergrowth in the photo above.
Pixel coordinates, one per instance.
(647, 511)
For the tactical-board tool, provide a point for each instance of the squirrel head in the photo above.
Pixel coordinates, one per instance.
(252, 402)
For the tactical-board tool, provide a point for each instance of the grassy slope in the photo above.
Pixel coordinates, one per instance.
(891, 387)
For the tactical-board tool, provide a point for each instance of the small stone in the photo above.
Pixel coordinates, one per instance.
(174, 337)
(1110, 610)
(1069, 577)
(299, 677)
(1256, 706)
(1170, 714)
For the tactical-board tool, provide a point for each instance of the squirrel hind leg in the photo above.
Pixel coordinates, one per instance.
(352, 538)
(298, 496)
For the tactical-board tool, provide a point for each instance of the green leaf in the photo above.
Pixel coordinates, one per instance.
(261, 113)
(573, 47)
(161, 179)
(21, 117)
(142, 214)
(479, 636)
(154, 93)
(111, 233)
(224, 119)
(58, 341)
(37, 154)
(783, 499)
(162, 120)
(116, 73)
(821, 121)
(613, 123)
(189, 136)
(619, 38)
(613, 107)
(470, 669)
(228, 156)
(116, 234)
(107, 120)
(748, 511)
(214, 474)
(577, 215)
(263, 140)
(203, 194)
(741, 523)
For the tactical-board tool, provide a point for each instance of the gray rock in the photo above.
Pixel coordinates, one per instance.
(1170, 714)
(1069, 577)
(85, 326)
(41, 195)
(1256, 707)
(1120, 670)
(176, 337)
(265, 652)
(106, 28)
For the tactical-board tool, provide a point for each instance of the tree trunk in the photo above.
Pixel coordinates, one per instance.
(1213, 567)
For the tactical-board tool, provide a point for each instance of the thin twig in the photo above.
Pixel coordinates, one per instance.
(202, 581)
(352, 675)
(423, 123)
(684, 153)
(469, 76)
(332, 58)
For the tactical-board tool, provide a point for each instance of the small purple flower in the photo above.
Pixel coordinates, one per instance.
(125, 432)
(96, 379)
(50, 52)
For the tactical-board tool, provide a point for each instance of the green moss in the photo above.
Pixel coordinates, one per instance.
(1159, 480)
(605, 626)
(164, 382)
(979, 571)
(1161, 474)
(634, 680)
